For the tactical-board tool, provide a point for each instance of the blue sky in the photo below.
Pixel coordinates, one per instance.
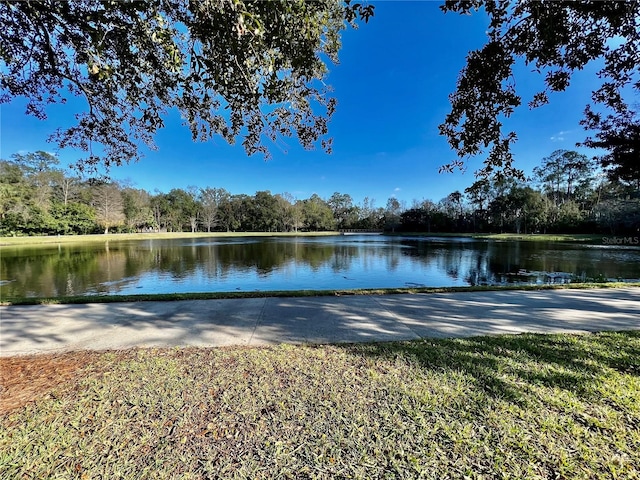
(392, 87)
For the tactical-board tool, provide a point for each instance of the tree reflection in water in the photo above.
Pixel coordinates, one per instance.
(195, 265)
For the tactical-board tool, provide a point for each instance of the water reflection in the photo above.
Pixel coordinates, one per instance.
(154, 266)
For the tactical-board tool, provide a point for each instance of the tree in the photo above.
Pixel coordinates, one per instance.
(137, 209)
(108, 203)
(555, 39)
(227, 215)
(317, 214)
(527, 209)
(66, 187)
(620, 134)
(453, 208)
(520, 209)
(562, 172)
(392, 213)
(265, 212)
(344, 212)
(479, 194)
(243, 68)
(35, 162)
(297, 215)
(28, 192)
(180, 210)
(14, 195)
(74, 218)
(429, 210)
(38, 168)
(244, 213)
(455, 199)
(617, 209)
(288, 215)
(193, 208)
(210, 200)
(160, 209)
(570, 217)
(368, 215)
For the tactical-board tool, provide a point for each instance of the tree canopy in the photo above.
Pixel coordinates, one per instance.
(619, 134)
(566, 195)
(255, 70)
(235, 68)
(556, 39)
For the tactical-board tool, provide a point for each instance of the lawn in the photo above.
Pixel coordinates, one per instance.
(588, 238)
(516, 406)
(97, 238)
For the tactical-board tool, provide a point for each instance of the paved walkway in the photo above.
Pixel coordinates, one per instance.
(260, 321)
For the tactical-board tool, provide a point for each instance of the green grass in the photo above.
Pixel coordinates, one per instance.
(170, 297)
(518, 406)
(54, 239)
(39, 240)
(536, 237)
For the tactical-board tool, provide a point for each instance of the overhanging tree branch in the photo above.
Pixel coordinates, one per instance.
(133, 61)
(559, 38)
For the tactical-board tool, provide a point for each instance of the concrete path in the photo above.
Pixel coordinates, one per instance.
(260, 321)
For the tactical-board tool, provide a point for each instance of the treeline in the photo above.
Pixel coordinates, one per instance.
(566, 194)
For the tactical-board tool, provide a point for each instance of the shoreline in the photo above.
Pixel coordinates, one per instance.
(587, 238)
(173, 297)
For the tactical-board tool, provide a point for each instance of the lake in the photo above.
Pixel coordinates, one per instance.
(296, 263)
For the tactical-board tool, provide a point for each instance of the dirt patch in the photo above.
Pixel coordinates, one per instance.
(24, 379)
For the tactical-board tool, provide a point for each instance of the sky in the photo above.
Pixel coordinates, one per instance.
(392, 86)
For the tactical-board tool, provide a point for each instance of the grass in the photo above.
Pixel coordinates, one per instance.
(517, 406)
(170, 297)
(528, 237)
(55, 239)
(540, 237)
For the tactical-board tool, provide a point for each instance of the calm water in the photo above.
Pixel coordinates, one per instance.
(340, 262)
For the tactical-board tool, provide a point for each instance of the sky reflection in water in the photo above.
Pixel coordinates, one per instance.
(319, 263)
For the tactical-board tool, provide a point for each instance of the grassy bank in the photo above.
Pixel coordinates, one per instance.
(39, 240)
(525, 406)
(534, 237)
(539, 237)
(169, 297)
(43, 240)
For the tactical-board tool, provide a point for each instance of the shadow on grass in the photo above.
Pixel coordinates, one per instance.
(508, 366)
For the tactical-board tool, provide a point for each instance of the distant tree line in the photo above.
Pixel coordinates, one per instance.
(567, 193)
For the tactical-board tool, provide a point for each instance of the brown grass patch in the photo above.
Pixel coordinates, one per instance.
(24, 379)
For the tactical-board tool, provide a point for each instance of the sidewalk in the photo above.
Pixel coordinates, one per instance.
(263, 321)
